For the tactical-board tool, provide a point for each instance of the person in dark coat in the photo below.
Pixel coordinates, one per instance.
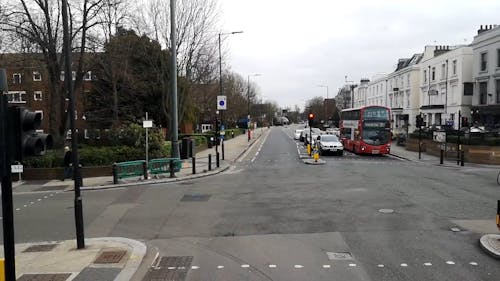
(68, 165)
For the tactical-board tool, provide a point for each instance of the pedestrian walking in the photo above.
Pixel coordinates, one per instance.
(68, 165)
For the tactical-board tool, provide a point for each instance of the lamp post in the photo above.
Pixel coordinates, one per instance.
(221, 90)
(248, 101)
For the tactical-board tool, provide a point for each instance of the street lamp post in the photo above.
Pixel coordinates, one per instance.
(248, 102)
(221, 90)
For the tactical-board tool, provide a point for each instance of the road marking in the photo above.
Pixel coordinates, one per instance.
(220, 267)
(25, 206)
(272, 266)
(18, 209)
(32, 202)
(352, 265)
(172, 267)
(253, 159)
(326, 266)
(39, 199)
(45, 197)
(195, 267)
(298, 266)
(473, 263)
(427, 264)
(245, 265)
(450, 262)
(380, 265)
(404, 265)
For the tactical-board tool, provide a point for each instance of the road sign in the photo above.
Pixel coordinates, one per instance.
(147, 124)
(221, 103)
(16, 169)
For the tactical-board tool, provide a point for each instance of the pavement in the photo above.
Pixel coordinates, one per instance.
(108, 258)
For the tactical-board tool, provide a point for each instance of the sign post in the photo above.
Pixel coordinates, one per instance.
(221, 105)
(147, 124)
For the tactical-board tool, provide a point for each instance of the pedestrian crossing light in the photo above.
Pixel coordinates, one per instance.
(26, 141)
(310, 117)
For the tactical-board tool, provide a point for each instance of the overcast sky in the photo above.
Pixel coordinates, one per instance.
(297, 45)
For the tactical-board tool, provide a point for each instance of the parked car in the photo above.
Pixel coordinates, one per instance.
(297, 134)
(315, 133)
(329, 143)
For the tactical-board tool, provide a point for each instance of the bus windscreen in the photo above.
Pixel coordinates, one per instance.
(376, 113)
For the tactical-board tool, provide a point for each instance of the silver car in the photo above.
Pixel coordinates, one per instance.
(330, 143)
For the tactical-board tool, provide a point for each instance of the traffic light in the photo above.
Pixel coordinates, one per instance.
(24, 140)
(310, 117)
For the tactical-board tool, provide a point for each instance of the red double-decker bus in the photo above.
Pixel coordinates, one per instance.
(366, 130)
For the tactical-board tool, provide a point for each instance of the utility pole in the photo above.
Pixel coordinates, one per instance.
(174, 114)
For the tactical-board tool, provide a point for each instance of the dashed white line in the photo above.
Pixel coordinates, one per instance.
(326, 266)
(195, 267)
(18, 209)
(272, 266)
(172, 267)
(45, 197)
(473, 263)
(32, 202)
(352, 265)
(404, 265)
(220, 267)
(39, 200)
(450, 262)
(298, 266)
(427, 264)
(245, 265)
(380, 265)
(25, 206)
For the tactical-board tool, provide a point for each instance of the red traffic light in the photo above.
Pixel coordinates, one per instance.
(311, 116)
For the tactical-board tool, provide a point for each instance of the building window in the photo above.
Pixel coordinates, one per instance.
(498, 57)
(433, 74)
(408, 100)
(443, 71)
(37, 95)
(87, 76)
(73, 75)
(484, 61)
(408, 80)
(454, 67)
(39, 111)
(483, 92)
(425, 76)
(86, 134)
(16, 96)
(497, 82)
(37, 76)
(16, 78)
(452, 117)
(61, 77)
(437, 120)
(76, 115)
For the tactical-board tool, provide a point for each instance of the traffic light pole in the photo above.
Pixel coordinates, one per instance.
(80, 238)
(458, 140)
(7, 205)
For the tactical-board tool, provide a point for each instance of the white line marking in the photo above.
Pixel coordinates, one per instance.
(473, 263)
(326, 266)
(45, 197)
(253, 159)
(171, 267)
(272, 266)
(51, 194)
(298, 266)
(25, 206)
(404, 265)
(195, 267)
(450, 262)
(220, 266)
(380, 265)
(32, 202)
(39, 199)
(245, 265)
(181, 268)
(352, 265)
(18, 209)
(427, 264)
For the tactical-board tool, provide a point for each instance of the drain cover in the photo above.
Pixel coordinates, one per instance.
(339, 256)
(110, 256)
(40, 248)
(45, 277)
(195, 197)
(386, 211)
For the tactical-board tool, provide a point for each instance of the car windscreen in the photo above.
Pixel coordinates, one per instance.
(329, 138)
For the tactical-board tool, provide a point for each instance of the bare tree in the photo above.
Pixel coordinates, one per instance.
(36, 26)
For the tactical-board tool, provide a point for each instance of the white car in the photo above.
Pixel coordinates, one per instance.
(297, 134)
(329, 143)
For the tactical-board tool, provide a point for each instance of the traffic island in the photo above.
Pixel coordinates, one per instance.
(491, 244)
(311, 161)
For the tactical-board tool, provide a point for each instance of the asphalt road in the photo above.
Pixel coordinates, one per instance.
(271, 217)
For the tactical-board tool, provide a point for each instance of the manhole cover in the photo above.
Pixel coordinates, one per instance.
(386, 211)
(170, 268)
(45, 277)
(195, 197)
(110, 256)
(339, 256)
(40, 248)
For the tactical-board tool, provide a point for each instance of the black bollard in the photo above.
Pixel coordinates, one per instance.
(462, 156)
(441, 157)
(193, 163)
(171, 168)
(210, 162)
(217, 160)
(115, 174)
